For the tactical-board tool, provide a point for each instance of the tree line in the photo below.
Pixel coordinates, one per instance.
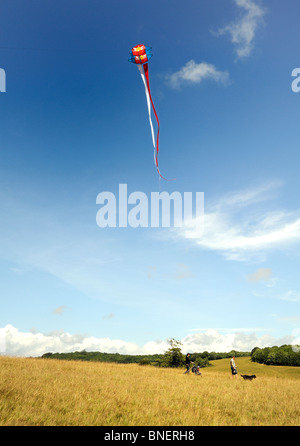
(173, 357)
(285, 355)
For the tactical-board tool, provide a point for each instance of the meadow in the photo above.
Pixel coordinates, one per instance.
(50, 392)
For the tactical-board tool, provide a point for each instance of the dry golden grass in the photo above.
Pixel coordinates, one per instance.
(38, 392)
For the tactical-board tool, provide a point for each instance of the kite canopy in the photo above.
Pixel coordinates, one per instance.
(140, 54)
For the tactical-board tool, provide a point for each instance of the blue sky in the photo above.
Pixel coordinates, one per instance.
(74, 123)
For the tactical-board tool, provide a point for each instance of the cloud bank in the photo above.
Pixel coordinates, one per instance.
(14, 342)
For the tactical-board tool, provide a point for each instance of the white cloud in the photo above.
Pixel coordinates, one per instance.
(17, 343)
(109, 316)
(182, 272)
(290, 296)
(60, 310)
(236, 228)
(261, 274)
(242, 32)
(194, 73)
(213, 340)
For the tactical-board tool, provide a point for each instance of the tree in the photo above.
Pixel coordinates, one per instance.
(284, 355)
(145, 361)
(253, 350)
(173, 357)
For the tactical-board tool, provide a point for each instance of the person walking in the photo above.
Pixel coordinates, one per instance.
(187, 363)
(233, 367)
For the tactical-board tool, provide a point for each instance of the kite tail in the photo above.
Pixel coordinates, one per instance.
(145, 76)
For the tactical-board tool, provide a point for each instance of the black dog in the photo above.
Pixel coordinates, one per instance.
(250, 377)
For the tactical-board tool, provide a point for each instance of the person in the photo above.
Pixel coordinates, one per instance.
(233, 367)
(197, 371)
(187, 363)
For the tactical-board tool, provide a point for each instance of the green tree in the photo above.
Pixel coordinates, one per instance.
(173, 357)
(253, 350)
(145, 361)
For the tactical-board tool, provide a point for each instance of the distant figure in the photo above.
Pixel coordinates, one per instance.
(187, 363)
(233, 367)
(196, 370)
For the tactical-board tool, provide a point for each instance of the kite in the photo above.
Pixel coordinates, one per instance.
(140, 55)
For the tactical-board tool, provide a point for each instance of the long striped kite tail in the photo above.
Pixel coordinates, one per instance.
(156, 146)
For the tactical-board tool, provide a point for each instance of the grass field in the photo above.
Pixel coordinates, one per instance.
(38, 392)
